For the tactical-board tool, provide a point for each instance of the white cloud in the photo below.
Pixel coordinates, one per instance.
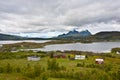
(57, 16)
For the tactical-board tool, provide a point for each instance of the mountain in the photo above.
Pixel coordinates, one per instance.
(83, 36)
(75, 33)
(111, 35)
(10, 37)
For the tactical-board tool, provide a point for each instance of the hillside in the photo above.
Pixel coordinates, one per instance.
(113, 35)
(9, 37)
(13, 37)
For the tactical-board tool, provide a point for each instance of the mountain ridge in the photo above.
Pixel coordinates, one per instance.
(75, 33)
(100, 36)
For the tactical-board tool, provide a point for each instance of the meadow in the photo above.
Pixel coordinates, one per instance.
(15, 66)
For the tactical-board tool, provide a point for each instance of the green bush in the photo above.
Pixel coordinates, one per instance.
(114, 50)
(53, 65)
(33, 71)
(8, 68)
(80, 64)
(1, 70)
(18, 70)
(44, 76)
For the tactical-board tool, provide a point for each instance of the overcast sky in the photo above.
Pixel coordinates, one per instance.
(47, 18)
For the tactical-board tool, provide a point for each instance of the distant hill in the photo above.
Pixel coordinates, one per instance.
(13, 37)
(108, 33)
(111, 35)
(75, 34)
(9, 37)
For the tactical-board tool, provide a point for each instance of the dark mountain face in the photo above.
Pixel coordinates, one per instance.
(75, 33)
(85, 33)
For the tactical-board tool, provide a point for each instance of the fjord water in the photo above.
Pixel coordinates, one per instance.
(92, 47)
(18, 41)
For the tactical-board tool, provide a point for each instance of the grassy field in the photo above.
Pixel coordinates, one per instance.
(13, 67)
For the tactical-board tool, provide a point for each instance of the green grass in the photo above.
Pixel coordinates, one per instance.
(111, 65)
(13, 77)
(58, 79)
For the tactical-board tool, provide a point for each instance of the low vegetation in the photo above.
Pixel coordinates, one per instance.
(114, 50)
(15, 66)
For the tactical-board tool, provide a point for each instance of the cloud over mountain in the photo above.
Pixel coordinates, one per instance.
(19, 16)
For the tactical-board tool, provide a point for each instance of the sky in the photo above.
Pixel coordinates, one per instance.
(49, 18)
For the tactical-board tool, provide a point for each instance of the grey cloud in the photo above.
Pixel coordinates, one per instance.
(56, 15)
(96, 12)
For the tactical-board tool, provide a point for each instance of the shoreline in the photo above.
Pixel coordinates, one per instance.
(34, 45)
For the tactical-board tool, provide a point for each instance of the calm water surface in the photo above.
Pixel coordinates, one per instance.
(18, 41)
(93, 47)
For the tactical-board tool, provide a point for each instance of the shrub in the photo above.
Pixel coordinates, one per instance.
(51, 55)
(18, 70)
(33, 71)
(53, 65)
(8, 68)
(44, 76)
(38, 70)
(91, 66)
(1, 69)
(114, 50)
(80, 64)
